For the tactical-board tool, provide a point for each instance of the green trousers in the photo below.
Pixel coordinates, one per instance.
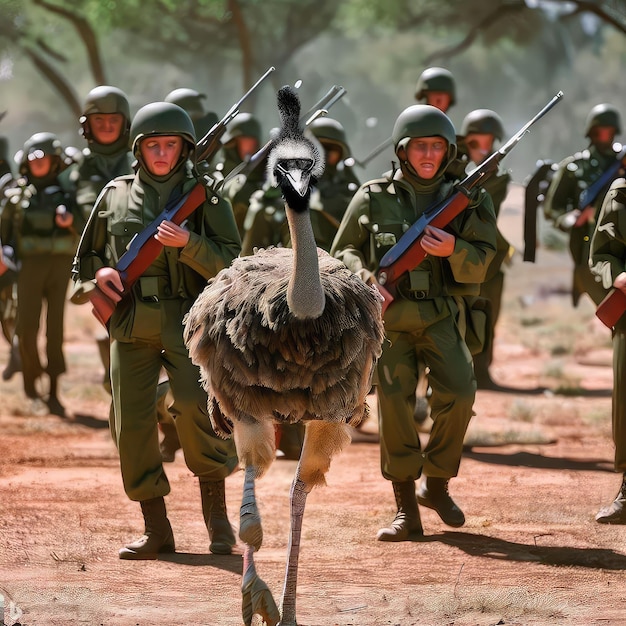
(42, 277)
(135, 369)
(431, 337)
(619, 396)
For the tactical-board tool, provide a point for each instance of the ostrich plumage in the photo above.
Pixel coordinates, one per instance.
(285, 335)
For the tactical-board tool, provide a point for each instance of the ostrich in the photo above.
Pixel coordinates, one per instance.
(281, 336)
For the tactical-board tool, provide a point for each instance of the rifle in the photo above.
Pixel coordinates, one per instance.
(612, 307)
(319, 109)
(589, 195)
(144, 249)
(375, 152)
(208, 146)
(407, 253)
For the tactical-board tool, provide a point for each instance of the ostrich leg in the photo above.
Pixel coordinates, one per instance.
(256, 597)
(288, 602)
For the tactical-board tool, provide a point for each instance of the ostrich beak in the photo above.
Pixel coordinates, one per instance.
(299, 177)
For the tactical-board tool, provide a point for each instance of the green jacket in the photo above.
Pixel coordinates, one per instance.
(27, 218)
(95, 171)
(126, 206)
(383, 209)
(608, 244)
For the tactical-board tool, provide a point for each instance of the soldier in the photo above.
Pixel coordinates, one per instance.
(436, 86)
(105, 124)
(193, 102)
(146, 326)
(40, 221)
(337, 184)
(240, 141)
(421, 323)
(480, 130)
(573, 175)
(608, 262)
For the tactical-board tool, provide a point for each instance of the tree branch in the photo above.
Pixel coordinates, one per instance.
(489, 20)
(56, 79)
(86, 34)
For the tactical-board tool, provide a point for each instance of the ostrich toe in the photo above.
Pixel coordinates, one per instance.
(257, 600)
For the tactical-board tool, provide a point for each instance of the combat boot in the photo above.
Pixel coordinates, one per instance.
(221, 534)
(407, 524)
(615, 513)
(158, 537)
(15, 361)
(433, 493)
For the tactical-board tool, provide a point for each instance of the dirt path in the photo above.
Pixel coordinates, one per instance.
(536, 469)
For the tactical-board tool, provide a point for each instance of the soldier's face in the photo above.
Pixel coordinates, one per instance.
(479, 146)
(602, 135)
(246, 146)
(161, 153)
(439, 99)
(426, 154)
(40, 167)
(106, 128)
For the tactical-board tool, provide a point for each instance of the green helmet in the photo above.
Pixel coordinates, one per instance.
(243, 125)
(435, 79)
(37, 146)
(326, 129)
(483, 122)
(104, 99)
(161, 118)
(603, 115)
(424, 120)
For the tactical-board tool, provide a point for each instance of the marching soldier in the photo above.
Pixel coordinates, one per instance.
(421, 322)
(608, 262)
(147, 324)
(480, 130)
(573, 175)
(40, 220)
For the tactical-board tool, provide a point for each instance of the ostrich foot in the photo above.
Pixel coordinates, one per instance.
(256, 598)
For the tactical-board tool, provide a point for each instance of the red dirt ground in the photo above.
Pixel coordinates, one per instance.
(537, 467)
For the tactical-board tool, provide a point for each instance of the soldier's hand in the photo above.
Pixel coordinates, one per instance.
(63, 218)
(110, 284)
(620, 282)
(586, 215)
(170, 234)
(437, 242)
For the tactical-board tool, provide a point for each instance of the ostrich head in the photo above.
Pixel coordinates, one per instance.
(294, 162)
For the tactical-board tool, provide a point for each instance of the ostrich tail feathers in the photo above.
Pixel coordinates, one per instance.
(289, 110)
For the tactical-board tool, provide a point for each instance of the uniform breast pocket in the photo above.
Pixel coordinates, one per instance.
(122, 233)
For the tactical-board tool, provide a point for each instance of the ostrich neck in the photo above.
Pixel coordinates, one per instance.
(305, 295)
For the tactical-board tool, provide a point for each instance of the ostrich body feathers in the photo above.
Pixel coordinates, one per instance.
(259, 361)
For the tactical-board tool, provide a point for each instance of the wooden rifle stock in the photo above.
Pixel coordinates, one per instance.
(611, 309)
(143, 250)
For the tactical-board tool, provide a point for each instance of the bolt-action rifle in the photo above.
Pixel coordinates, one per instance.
(407, 253)
(144, 248)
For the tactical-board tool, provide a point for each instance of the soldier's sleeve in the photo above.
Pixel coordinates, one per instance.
(214, 248)
(352, 240)
(476, 240)
(608, 245)
(562, 194)
(91, 252)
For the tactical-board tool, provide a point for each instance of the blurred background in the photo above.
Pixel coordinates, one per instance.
(508, 55)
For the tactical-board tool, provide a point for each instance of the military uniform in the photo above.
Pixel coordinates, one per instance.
(608, 261)
(573, 175)
(146, 331)
(29, 224)
(488, 303)
(421, 323)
